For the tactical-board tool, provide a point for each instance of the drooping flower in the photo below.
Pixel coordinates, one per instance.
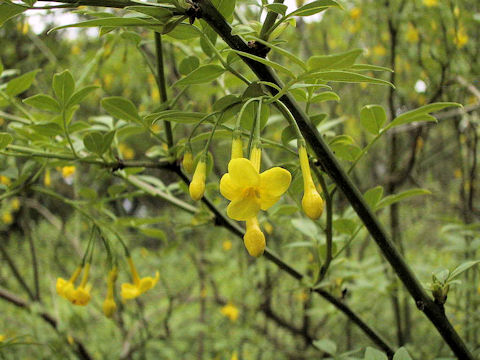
(312, 202)
(254, 239)
(109, 306)
(68, 171)
(65, 285)
(139, 285)
(188, 160)
(250, 191)
(230, 311)
(237, 147)
(80, 295)
(197, 185)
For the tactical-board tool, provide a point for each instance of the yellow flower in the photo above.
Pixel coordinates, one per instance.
(230, 311)
(355, 13)
(237, 148)
(227, 245)
(139, 285)
(461, 38)
(47, 180)
(188, 160)
(127, 152)
(457, 173)
(2, 337)
(70, 339)
(250, 191)
(197, 185)
(15, 204)
(254, 239)
(234, 356)
(7, 218)
(80, 295)
(63, 285)
(76, 50)
(430, 3)
(68, 171)
(109, 306)
(5, 180)
(379, 50)
(412, 34)
(155, 95)
(312, 202)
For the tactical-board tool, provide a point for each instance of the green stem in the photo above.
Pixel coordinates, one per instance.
(269, 21)
(67, 135)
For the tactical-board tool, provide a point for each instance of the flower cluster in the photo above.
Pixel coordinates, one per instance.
(81, 295)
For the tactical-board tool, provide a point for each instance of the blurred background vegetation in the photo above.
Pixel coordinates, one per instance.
(213, 301)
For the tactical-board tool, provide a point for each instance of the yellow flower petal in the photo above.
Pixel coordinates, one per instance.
(267, 201)
(148, 282)
(275, 181)
(242, 173)
(130, 291)
(243, 209)
(228, 189)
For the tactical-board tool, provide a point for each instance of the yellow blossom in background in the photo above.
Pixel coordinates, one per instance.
(108, 80)
(139, 285)
(47, 180)
(250, 191)
(234, 356)
(457, 173)
(302, 296)
(461, 38)
(379, 50)
(155, 95)
(456, 11)
(203, 293)
(76, 50)
(126, 151)
(430, 3)
(412, 34)
(15, 204)
(5, 180)
(151, 79)
(155, 128)
(70, 339)
(68, 171)
(230, 311)
(2, 121)
(355, 13)
(227, 245)
(268, 227)
(7, 218)
(353, 28)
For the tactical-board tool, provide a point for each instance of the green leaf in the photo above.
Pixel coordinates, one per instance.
(392, 199)
(372, 117)
(20, 84)
(5, 140)
(306, 227)
(368, 67)
(270, 63)
(203, 74)
(63, 85)
(288, 134)
(373, 196)
(314, 7)
(184, 32)
(335, 61)
(160, 13)
(402, 354)
(225, 7)
(114, 22)
(81, 94)
(9, 10)
(183, 117)
(277, 8)
(242, 29)
(154, 233)
(121, 108)
(345, 226)
(462, 268)
(325, 96)
(374, 354)
(49, 129)
(188, 64)
(326, 345)
(43, 102)
(94, 142)
(344, 76)
(420, 114)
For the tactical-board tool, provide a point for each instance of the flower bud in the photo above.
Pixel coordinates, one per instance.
(188, 160)
(312, 202)
(237, 148)
(109, 307)
(197, 186)
(254, 239)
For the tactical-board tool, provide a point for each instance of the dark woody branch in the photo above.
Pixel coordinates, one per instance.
(424, 302)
